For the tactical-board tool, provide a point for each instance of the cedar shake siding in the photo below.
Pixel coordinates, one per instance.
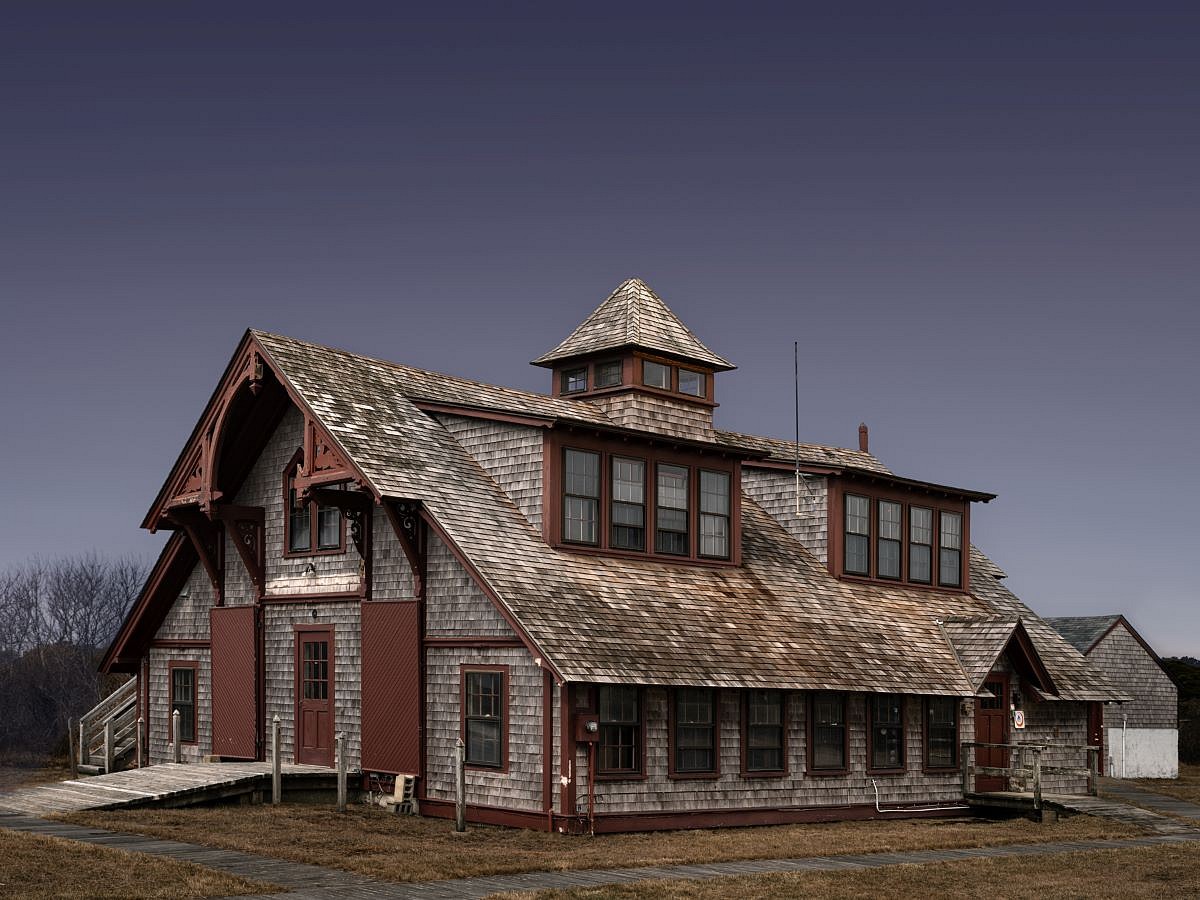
(1156, 699)
(187, 619)
(775, 491)
(455, 607)
(160, 750)
(800, 787)
(510, 454)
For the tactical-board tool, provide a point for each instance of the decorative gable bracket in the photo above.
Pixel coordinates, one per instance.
(406, 521)
(246, 525)
(208, 541)
(321, 464)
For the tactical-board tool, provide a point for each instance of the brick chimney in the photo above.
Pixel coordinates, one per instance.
(862, 437)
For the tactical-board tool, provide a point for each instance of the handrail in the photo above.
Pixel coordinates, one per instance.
(106, 727)
(1036, 770)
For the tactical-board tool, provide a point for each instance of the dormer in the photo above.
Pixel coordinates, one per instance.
(635, 359)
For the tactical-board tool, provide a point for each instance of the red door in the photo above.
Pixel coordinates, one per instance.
(1096, 729)
(234, 682)
(314, 696)
(991, 727)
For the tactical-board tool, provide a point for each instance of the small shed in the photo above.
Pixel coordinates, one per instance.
(1141, 737)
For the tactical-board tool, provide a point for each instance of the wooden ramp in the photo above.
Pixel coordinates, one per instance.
(1072, 804)
(166, 785)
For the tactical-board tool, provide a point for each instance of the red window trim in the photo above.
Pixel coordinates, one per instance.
(289, 473)
(556, 443)
(633, 378)
(172, 665)
(925, 766)
(836, 530)
(889, 770)
(715, 773)
(621, 774)
(503, 672)
(784, 711)
(810, 726)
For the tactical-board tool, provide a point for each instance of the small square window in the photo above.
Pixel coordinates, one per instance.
(656, 375)
(574, 380)
(608, 374)
(691, 383)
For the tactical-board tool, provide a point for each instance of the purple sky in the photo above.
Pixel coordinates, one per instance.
(981, 227)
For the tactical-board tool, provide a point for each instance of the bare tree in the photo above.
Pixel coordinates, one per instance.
(56, 618)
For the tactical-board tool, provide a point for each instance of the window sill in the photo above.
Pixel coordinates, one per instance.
(941, 770)
(693, 776)
(892, 583)
(620, 776)
(887, 771)
(827, 773)
(774, 774)
(665, 558)
(305, 554)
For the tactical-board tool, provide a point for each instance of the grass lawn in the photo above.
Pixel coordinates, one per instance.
(1185, 787)
(372, 842)
(13, 776)
(1149, 872)
(34, 866)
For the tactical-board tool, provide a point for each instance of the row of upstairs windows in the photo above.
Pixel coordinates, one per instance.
(892, 540)
(637, 505)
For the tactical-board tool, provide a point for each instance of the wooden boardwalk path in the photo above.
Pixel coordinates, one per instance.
(1073, 804)
(169, 784)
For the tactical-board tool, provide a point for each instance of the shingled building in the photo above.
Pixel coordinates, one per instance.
(634, 618)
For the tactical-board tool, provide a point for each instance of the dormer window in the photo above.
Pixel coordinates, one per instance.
(616, 496)
(692, 383)
(894, 535)
(656, 375)
(574, 380)
(310, 527)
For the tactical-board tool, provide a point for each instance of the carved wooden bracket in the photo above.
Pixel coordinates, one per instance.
(246, 524)
(321, 463)
(207, 539)
(405, 518)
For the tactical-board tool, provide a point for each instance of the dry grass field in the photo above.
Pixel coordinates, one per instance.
(1185, 787)
(1140, 874)
(371, 842)
(33, 867)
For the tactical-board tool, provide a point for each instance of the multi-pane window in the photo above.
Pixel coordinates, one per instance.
(714, 514)
(888, 563)
(828, 730)
(695, 730)
(950, 550)
(608, 374)
(671, 528)
(656, 375)
(920, 544)
(581, 496)
(858, 535)
(941, 732)
(620, 730)
(310, 524)
(183, 700)
(692, 383)
(314, 677)
(628, 504)
(485, 718)
(574, 380)
(887, 731)
(299, 523)
(764, 731)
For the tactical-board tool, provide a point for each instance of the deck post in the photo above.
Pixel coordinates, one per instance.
(141, 748)
(1094, 766)
(109, 749)
(966, 768)
(340, 740)
(178, 750)
(85, 756)
(460, 785)
(276, 768)
(1037, 778)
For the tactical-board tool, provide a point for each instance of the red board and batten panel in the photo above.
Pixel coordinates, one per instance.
(391, 687)
(234, 695)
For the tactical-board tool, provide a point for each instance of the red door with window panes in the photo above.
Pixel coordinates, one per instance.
(314, 696)
(991, 727)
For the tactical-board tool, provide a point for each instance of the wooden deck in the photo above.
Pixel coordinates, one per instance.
(166, 785)
(1075, 804)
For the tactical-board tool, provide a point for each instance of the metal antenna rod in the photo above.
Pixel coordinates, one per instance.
(796, 385)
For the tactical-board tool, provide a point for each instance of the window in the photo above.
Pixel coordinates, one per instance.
(574, 380)
(581, 496)
(656, 375)
(764, 731)
(950, 550)
(695, 731)
(672, 522)
(484, 718)
(858, 535)
(886, 730)
(714, 514)
(628, 504)
(828, 734)
(920, 544)
(889, 539)
(692, 383)
(941, 732)
(311, 527)
(183, 699)
(608, 374)
(620, 731)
